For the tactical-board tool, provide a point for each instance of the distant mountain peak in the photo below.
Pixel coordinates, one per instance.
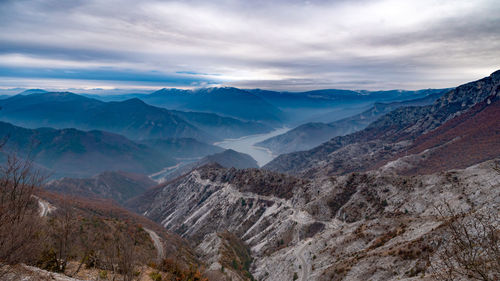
(134, 101)
(33, 91)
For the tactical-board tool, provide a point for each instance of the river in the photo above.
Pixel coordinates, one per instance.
(247, 145)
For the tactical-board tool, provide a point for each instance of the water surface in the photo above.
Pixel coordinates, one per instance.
(247, 145)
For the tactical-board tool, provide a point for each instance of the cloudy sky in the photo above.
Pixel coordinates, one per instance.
(284, 45)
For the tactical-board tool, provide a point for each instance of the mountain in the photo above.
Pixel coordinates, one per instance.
(375, 224)
(113, 97)
(71, 152)
(182, 148)
(327, 98)
(309, 135)
(33, 91)
(227, 158)
(117, 186)
(330, 105)
(449, 146)
(389, 135)
(225, 127)
(230, 158)
(131, 118)
(60, 236)
(225, 101)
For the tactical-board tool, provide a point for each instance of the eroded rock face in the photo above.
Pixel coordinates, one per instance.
(373, 225)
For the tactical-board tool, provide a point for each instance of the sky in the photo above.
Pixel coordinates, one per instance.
(281, 45)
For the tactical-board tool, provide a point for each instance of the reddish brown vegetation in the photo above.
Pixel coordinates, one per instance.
(468, 139)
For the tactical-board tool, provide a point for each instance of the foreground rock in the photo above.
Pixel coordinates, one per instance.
(375, 225)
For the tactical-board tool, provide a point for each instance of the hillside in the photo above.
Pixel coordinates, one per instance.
(89, 239)
(227, 158)
(389, 135)
(340, 228)
(117, 186)
(131, 118)
(465, 140)
(223, 126)
(182, 147)
(71, 152)
(225, 101)
(309, 135)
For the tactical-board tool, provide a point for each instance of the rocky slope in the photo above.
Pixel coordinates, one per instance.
(377, 224)
(356, 208)
(465, 140)
(389, 135)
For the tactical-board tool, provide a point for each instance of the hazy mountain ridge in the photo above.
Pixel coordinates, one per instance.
(117, 186)
(309, 135)
(179, 148)
(132, 118)
(270, 107)
(226, 101)
(78, 153)
(223, 126)
(387, 136)
(227, 158)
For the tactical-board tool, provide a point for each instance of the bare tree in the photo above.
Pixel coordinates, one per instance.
(63, 232)
(89, 240)
(125, 256)
(20, 225)
(470, 246)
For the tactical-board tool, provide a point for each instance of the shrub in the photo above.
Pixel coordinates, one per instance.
(155, 276)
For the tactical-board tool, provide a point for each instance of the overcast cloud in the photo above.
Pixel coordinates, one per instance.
(285, 45)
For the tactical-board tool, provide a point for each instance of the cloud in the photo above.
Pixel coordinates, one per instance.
(268, 44)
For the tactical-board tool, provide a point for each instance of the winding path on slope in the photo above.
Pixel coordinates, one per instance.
(157, 242)
(305, 266)
(45, 207)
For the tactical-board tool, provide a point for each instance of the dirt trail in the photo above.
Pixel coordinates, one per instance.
(157, 242)
(305, 266)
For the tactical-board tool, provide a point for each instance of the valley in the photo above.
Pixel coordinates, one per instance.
(248, 145)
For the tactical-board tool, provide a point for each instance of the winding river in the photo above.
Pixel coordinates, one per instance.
(246, 145)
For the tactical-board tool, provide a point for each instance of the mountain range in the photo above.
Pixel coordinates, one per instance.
(73, 152)
(117, 186)
(347, 209)
(389, 135)
(272, 108)
(309, 135)
(132, 118)
(77, 153)
(382, 198)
